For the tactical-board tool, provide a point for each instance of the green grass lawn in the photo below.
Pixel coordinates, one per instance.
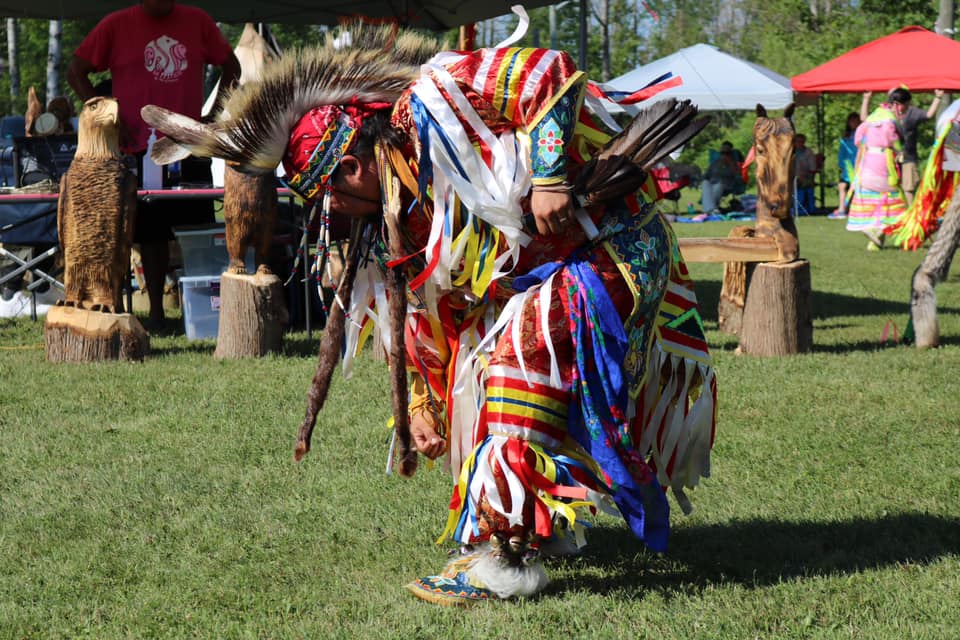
(161, 499)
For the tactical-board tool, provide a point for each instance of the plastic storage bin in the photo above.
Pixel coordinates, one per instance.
(200, 301)
(205, 251)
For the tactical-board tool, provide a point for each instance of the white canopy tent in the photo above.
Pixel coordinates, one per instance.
(712, 79)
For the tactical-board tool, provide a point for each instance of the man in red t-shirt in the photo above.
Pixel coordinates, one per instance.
(156, 53)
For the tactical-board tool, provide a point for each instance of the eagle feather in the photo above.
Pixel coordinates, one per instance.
(621, 166)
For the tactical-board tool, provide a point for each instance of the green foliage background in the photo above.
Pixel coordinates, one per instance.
(787, 36)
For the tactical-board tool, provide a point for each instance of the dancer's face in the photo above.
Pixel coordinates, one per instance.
(355, 188)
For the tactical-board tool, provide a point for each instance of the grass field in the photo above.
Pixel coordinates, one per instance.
(161, 499)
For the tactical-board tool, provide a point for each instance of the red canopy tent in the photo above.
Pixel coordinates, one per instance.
(916, 57)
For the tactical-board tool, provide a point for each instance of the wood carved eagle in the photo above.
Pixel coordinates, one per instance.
(96, 212)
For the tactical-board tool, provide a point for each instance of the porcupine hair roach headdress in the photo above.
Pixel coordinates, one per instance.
(306, 112)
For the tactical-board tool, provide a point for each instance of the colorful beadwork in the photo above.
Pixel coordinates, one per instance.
(450, 591)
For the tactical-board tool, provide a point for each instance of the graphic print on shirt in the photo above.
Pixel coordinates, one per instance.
(165, 58)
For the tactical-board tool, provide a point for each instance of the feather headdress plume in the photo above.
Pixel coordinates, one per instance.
(362, 65)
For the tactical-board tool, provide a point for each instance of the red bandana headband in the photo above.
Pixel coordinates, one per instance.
(319, 141)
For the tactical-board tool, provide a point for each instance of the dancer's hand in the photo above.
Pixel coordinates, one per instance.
(553, 210)
(425, 437)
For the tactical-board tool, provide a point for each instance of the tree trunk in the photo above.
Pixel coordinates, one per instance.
(933, 269)
(79, 335)
(13, 58)
(53, 60)
(945, 20)
(252, 315)
(777, 315)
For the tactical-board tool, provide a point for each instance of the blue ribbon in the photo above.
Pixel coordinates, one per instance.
(427, 127)
(601, 344)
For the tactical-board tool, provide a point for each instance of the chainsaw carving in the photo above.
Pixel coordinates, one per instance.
(96, 210)
(773, 145)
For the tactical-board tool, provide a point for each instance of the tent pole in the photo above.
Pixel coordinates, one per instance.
(583, 35)
(821, 141)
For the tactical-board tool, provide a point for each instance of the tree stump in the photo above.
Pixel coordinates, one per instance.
(252, 315)
(777, 314)
(75, 334)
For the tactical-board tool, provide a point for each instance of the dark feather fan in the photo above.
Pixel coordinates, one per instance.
(621, 167)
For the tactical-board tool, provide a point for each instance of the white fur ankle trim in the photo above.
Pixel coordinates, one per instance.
(505, 581)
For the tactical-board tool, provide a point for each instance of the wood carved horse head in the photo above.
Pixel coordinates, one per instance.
(773, 145)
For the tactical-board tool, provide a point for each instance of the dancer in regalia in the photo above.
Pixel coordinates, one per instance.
(877, 198)
(517, 266)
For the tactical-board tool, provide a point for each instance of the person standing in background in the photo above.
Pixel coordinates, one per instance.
(805, 168)
(909, 119)
(846, 159)
(156, 52)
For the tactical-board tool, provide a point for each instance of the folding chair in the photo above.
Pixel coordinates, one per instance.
(669, 188)
(33, 225)
(41, 158)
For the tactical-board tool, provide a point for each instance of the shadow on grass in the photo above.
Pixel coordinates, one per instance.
(202, 346)
(293, 346)
(873, 345)
(825, 304)
(299, 345)
(757, 553)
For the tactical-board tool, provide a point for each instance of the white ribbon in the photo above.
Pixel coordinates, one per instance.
(493, 195)
(596, 106)
(546, 292)
(514, 487)
(521, 29)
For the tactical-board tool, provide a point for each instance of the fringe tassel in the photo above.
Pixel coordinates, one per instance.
(503, 470)
(677, 416)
